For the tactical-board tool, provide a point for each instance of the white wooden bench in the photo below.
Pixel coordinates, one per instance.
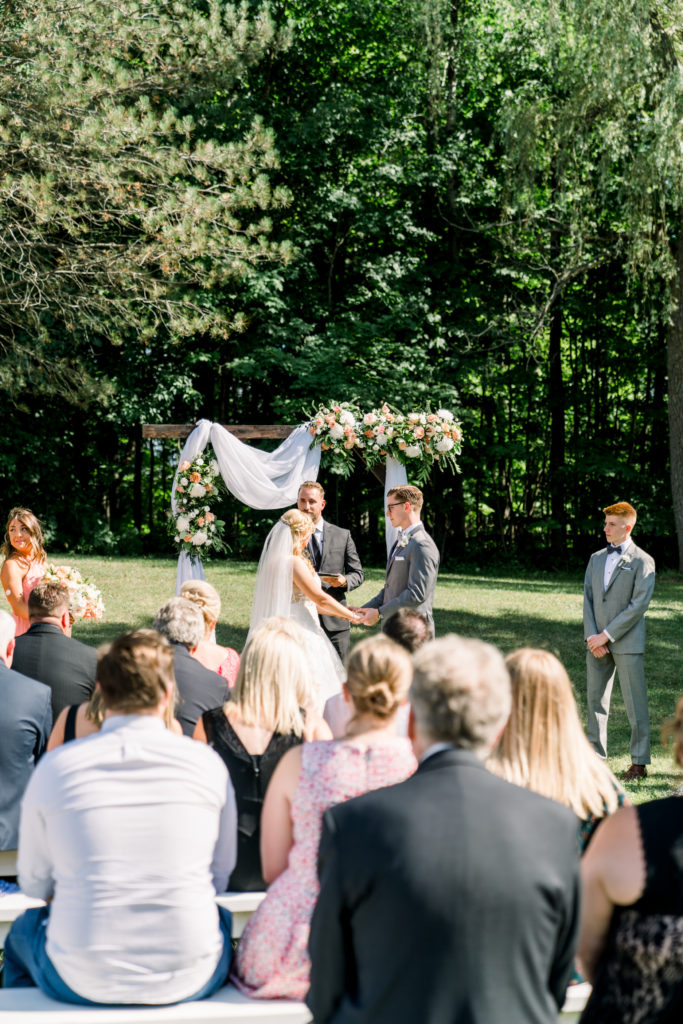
(227, 1006)
(241, 904)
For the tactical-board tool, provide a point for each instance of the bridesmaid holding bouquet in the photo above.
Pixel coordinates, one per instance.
(24, 565)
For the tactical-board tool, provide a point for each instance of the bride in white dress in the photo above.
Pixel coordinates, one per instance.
(288, 586)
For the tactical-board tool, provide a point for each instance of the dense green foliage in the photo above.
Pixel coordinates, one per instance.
(429, 202)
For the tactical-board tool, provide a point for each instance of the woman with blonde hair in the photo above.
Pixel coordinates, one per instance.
(272, 957)
(631, 939)
(270, 710)
(287, 586)
(544, 747)
(208, 653)
(24, 565)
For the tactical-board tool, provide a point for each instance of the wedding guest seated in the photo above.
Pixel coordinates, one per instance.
(544, 747)
(631, 944)
(129, 833)
(25, 721)
(48, 652)
(452, 896)
(272, 958)
(199, 689)
(409, 628)
(270, 710)
(80, 720)
(219, 659)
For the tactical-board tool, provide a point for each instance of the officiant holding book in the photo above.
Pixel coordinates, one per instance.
(335, 559)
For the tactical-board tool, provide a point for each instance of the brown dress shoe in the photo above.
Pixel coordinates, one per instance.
(636, 772)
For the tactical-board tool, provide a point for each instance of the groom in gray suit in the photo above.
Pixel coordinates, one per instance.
(617, 591)
(413, 562)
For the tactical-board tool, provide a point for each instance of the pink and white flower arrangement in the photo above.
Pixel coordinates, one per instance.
(85, 600)
(418, 439)
(195, 527)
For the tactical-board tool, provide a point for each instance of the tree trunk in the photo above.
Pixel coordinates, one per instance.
(556, 402)
(675, 371)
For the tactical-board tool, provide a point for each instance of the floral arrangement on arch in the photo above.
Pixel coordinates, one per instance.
(417, 439)
(195, 527)
(85, 600)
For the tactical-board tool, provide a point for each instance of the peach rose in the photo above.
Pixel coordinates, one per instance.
(419, 431)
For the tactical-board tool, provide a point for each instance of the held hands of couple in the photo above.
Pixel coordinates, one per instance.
(366, 616)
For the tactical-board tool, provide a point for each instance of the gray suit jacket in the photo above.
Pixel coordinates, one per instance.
(339, 555)
(620, 608)
(411, 578)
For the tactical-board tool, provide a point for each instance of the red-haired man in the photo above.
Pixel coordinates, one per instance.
(617, 591)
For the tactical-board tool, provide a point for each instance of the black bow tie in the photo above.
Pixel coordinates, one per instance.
(614, 548)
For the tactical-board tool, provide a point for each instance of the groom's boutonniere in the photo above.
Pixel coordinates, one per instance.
(403, 541)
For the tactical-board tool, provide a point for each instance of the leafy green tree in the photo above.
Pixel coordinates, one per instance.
(127, 193)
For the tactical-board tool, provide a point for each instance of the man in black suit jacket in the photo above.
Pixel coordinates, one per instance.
(48, 652)
(199, 690)
(335, 559)
(452, 898)
(25, 723)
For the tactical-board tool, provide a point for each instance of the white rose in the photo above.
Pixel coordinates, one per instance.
(182, 524)
(414, 417)
(347, 418)
(206, 508)
(184, 481)
(444, 445)
(369, 419)
(199, 538)
(336, 432)
(390, 431)
(445, 415)
(197, 491)
(215, 469)
(412, 451)
(199, 462)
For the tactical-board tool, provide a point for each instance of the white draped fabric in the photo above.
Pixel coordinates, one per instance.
(263, 479)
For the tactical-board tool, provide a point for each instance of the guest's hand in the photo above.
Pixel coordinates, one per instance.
(597, 640)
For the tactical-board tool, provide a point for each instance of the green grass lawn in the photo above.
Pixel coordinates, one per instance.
(538, 610)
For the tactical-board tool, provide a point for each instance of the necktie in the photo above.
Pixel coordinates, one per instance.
(316, 551)
(614, 548)
(394, 546)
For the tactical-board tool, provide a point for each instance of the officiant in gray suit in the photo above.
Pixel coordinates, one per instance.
(413, 563)
(335, 559)
(618, 587)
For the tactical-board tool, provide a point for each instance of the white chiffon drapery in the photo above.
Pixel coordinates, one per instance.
(263, 480)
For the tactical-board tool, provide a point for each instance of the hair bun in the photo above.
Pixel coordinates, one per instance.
(378, 699)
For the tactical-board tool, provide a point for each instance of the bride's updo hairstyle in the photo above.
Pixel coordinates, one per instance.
(379, 673)
(205, 597)
(301, 525)
(27, 519)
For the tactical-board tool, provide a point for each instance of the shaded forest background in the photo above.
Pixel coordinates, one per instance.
(241, 212)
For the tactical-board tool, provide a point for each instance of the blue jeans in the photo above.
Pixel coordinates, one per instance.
(28, 965)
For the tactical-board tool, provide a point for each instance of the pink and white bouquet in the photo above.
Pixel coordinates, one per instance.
(337, 429)
(195, 527)
(85, 600)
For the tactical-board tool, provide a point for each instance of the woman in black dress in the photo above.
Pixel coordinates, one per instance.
(631, 944)
(270, 710)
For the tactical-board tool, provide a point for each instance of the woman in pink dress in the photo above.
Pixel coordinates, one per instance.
(24, 565)
(211, 655)
(272, 956)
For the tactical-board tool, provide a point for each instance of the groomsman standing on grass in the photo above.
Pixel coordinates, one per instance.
(335, 559)
(617, 591)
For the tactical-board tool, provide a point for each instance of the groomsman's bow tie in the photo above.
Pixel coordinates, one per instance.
(614, 549)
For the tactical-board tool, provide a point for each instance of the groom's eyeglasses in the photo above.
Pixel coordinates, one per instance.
(395, 504)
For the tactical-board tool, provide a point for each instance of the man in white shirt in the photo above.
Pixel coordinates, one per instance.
(618, 587)
(129, 832)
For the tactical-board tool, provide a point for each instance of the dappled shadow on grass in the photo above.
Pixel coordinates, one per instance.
(545, 585)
